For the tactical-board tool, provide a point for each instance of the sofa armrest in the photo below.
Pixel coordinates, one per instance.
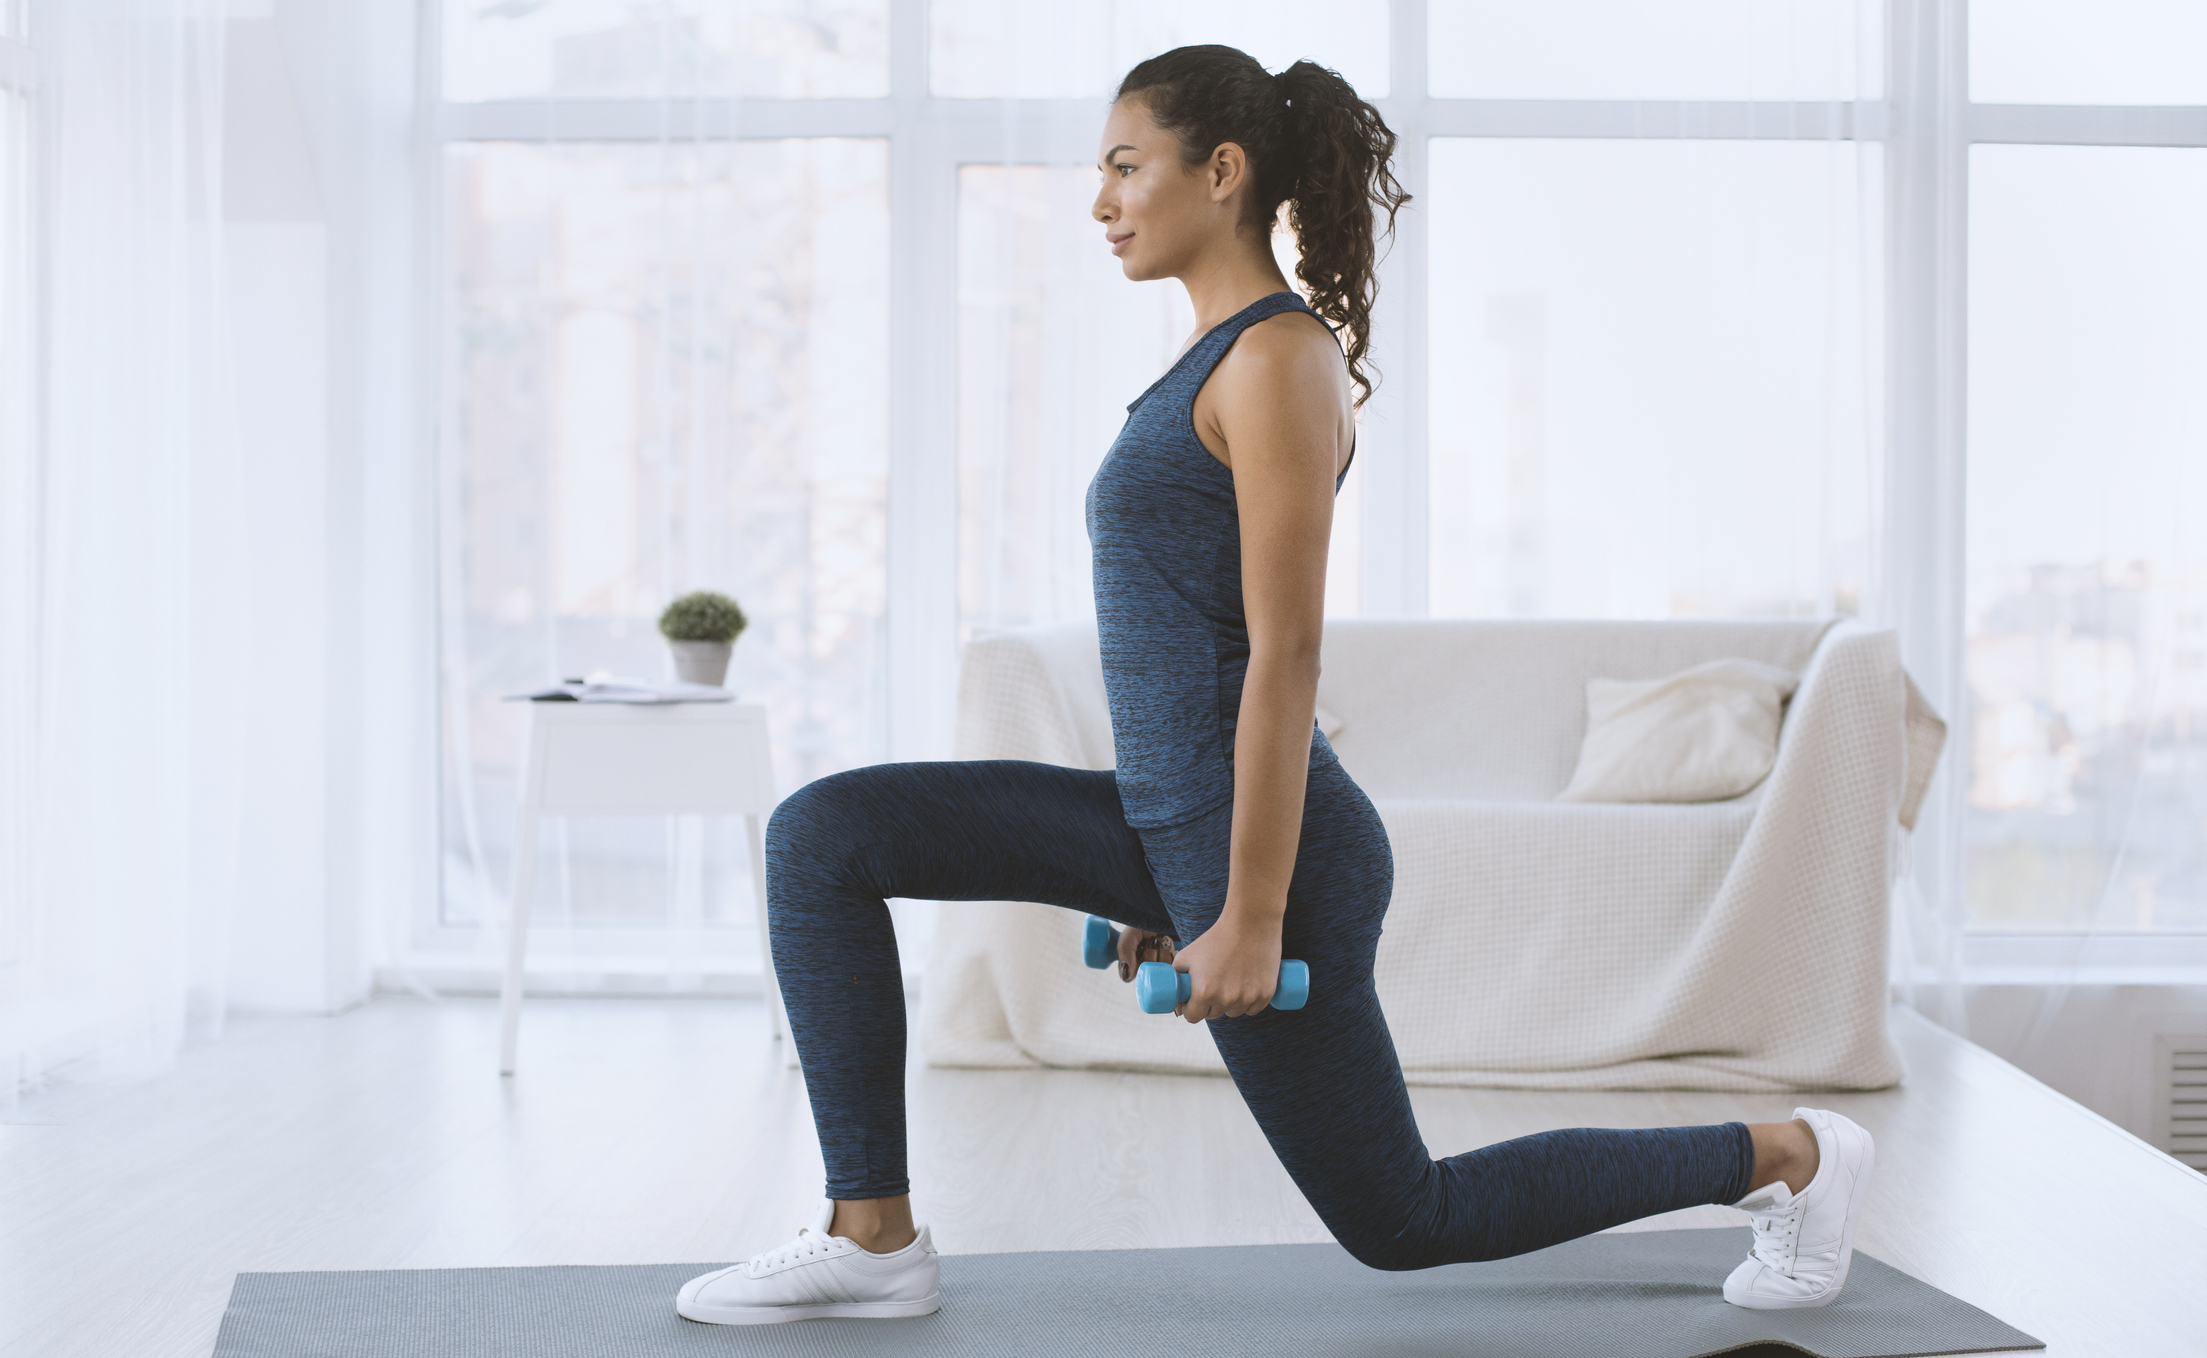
(1854, 683)
(1926, 737)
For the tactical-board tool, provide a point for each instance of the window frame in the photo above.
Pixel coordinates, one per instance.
(1927, 453)
(1924, 118)
(931, 136)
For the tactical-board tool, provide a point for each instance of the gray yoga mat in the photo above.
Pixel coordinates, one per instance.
(1646, 1294)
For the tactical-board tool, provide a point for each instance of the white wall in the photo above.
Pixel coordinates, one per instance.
(2092, 1043)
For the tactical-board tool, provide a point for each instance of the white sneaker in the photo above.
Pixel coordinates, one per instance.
(816, 1274)
(1804, 1241)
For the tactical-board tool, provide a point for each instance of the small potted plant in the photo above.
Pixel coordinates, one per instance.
(701, 628)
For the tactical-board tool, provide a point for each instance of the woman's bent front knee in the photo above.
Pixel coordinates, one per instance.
(818, 826)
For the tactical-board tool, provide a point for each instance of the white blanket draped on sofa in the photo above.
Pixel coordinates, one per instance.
(1737, 945)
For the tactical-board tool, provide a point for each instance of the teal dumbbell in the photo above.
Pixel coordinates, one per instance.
(1099, 943)
(1159, 989)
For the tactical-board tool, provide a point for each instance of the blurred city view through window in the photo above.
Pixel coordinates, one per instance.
(1653, 368)
(2087, 538)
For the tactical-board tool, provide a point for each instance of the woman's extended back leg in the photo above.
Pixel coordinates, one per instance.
(1325, 1084)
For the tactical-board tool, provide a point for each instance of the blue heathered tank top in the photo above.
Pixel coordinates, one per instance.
(1166, 542)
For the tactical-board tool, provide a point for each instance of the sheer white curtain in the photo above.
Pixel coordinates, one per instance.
(125, 559)
(18, 520)
(1660, 356)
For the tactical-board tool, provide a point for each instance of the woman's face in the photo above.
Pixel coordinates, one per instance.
(1157, 212)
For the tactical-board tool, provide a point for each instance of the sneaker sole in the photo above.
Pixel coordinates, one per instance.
(1855, 1195)
(775, 1315)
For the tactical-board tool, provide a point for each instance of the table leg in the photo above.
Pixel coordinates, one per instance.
(517, 936)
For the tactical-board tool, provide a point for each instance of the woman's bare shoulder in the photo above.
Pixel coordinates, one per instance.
(1288, 356)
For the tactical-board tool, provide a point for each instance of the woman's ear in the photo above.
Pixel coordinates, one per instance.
(1228, 169)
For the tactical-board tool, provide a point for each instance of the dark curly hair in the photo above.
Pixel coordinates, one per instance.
(1312, 144)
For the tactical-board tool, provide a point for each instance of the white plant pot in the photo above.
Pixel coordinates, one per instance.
(701, 662)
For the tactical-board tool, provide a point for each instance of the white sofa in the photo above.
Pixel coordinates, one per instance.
(1736, 945)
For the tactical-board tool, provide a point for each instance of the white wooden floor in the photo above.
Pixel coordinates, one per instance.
(646, 1130)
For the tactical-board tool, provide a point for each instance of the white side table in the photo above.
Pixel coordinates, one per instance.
(631, 759)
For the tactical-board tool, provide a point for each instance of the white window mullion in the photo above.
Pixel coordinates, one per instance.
(1685, 119)
(2089, 125)
(1394, 566)
(1039, 131)
(1920, 591)
(922, 669)
(653, 120)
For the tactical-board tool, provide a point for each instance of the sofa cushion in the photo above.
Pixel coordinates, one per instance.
(1700, 735)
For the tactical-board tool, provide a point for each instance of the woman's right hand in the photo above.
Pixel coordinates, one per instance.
(1137, 946)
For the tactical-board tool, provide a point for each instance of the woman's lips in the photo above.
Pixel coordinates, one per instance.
(1118, 243)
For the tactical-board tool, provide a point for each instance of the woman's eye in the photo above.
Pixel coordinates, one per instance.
(1124, 170)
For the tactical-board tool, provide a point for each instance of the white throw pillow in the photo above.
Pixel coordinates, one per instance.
(1701, 735)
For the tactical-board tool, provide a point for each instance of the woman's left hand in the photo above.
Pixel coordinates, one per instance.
(1137, 946)
(1233, 970)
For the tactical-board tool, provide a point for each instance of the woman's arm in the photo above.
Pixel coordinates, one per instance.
(1277, 412)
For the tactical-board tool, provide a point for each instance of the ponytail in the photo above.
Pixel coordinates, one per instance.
(1313, 145)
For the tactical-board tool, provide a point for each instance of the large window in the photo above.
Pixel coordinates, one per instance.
(667, 369)
(1051, 341)
(2087, 603)
(1052, 344)
(2111, 52)
(1673, 51)
(1652, 366)
(1705, 308)
(2086, 606)
(1654, 262)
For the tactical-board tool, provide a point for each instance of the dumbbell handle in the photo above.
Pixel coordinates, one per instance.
(1160, 989)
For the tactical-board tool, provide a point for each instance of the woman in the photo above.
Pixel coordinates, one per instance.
(1228, 821)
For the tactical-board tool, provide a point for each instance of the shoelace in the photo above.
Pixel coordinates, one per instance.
(803, 1247)
(1777, 1235)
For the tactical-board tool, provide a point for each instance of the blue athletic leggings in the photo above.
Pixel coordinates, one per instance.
(1323, 1081)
